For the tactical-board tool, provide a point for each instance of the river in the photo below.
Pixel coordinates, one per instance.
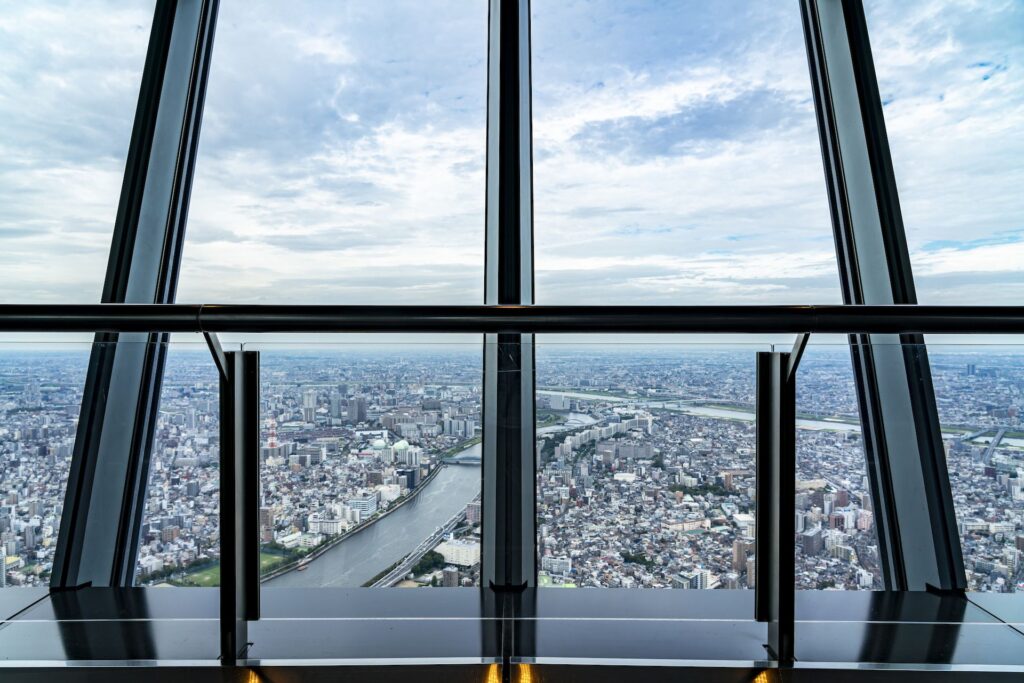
(738, 414)
(362, 556)
(704, 411)
(573, 421)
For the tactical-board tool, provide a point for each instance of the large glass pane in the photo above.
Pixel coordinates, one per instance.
(370, 470)
(951, 77)
(342, 155)
(40, 395)
(645, 465)
(836, 540)
(69, 81)
(980, 395)
(180, 542)
(676, 155)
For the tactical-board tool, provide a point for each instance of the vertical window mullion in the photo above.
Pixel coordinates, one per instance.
(509, 538)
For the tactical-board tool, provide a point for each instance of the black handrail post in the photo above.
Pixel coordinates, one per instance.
(775, 589)
(239, 501)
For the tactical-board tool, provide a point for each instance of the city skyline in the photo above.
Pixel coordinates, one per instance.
(644, 463)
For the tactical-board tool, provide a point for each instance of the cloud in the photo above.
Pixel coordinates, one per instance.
(326, 47)
(703, 151)
(68, 89)
(953, 71)
(695, 177)
(676, 155)
(700, 128)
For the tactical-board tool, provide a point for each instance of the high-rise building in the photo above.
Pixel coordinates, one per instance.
(556, 565)
(812, 542)
(741, 547)
(356, 410)
(696, 579)
(337, 405)
(461, 552)
(365, 504)
(473, 511)
(309, 405)
(411, 476)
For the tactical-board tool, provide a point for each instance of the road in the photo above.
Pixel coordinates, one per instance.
(403, 569)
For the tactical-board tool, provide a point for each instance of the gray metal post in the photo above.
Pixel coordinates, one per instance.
(919, 546)
(101, 524)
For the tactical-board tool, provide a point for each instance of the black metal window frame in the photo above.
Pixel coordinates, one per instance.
(98, 542)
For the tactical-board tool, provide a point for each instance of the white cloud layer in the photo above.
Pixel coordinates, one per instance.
(676, 156)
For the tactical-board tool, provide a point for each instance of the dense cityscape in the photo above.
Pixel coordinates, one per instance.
(370, 467)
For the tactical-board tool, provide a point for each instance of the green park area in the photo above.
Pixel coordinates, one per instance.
(458, 448)
(209, 575)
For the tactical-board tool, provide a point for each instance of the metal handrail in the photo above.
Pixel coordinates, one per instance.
(512, 319)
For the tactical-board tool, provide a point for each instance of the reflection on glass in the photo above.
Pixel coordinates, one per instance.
(836, 541)
(951, 78)
(69, 83)
(980, 395)
(645, 460)
(180, 543)
(342, 155)
(680, 138)
(40, 395)
(370, 466)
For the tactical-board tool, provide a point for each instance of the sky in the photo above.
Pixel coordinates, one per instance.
(341, 158)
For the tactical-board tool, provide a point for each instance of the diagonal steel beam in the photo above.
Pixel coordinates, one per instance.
(101, 524)
(915, 521)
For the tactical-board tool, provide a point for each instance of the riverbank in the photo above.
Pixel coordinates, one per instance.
(362, 555)
(460, 448)
(337, 540)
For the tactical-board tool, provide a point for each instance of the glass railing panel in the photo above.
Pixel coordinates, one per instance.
(645, 464)
(180, 541)
(836, 541)
(370, 464)
(979, 391)
(671, 517)
(40, 396)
